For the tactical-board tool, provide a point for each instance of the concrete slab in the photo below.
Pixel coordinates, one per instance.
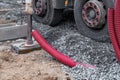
(14, 31)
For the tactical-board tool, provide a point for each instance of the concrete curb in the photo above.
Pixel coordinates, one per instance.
(12, 31)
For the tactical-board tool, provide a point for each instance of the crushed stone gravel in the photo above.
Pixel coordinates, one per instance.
(67, 39)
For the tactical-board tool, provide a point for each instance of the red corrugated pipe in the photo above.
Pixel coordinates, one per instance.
(117, 20)
(112, 32)
(52, 51)
(114, 27)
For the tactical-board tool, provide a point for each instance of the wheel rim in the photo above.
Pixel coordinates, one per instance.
(40, 8)
(93, 14)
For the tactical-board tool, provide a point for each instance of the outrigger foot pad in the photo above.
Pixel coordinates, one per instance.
(22, 48)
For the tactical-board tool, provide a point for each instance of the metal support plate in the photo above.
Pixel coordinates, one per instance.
(21, 48)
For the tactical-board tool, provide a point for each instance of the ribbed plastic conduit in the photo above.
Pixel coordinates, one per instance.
(56, 54)
(114, 27)
(112, 32)
(117, 19)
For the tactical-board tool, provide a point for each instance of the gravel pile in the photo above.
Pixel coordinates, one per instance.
(67, 39)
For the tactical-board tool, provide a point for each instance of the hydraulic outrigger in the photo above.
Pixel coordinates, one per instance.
(29, 45)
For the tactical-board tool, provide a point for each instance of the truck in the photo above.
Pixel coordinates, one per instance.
(90, 15)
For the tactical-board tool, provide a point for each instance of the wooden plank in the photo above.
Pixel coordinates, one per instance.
(12, 32)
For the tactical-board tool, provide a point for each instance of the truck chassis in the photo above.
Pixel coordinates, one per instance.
(90, 15)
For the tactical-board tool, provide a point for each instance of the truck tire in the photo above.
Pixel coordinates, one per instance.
(45, 13)
(91, 18)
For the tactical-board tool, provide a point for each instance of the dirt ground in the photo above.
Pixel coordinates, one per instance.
(31, 66)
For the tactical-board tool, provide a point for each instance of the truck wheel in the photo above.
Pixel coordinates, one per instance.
(45, 13)
(91, 18)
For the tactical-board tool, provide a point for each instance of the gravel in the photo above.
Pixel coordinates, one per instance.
(14, 12)
(67, 39)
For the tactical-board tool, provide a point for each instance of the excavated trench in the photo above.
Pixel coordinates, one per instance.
(67, 39)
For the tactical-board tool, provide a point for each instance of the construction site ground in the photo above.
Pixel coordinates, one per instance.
(31, 66)
(34, 65)
(39, 65)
